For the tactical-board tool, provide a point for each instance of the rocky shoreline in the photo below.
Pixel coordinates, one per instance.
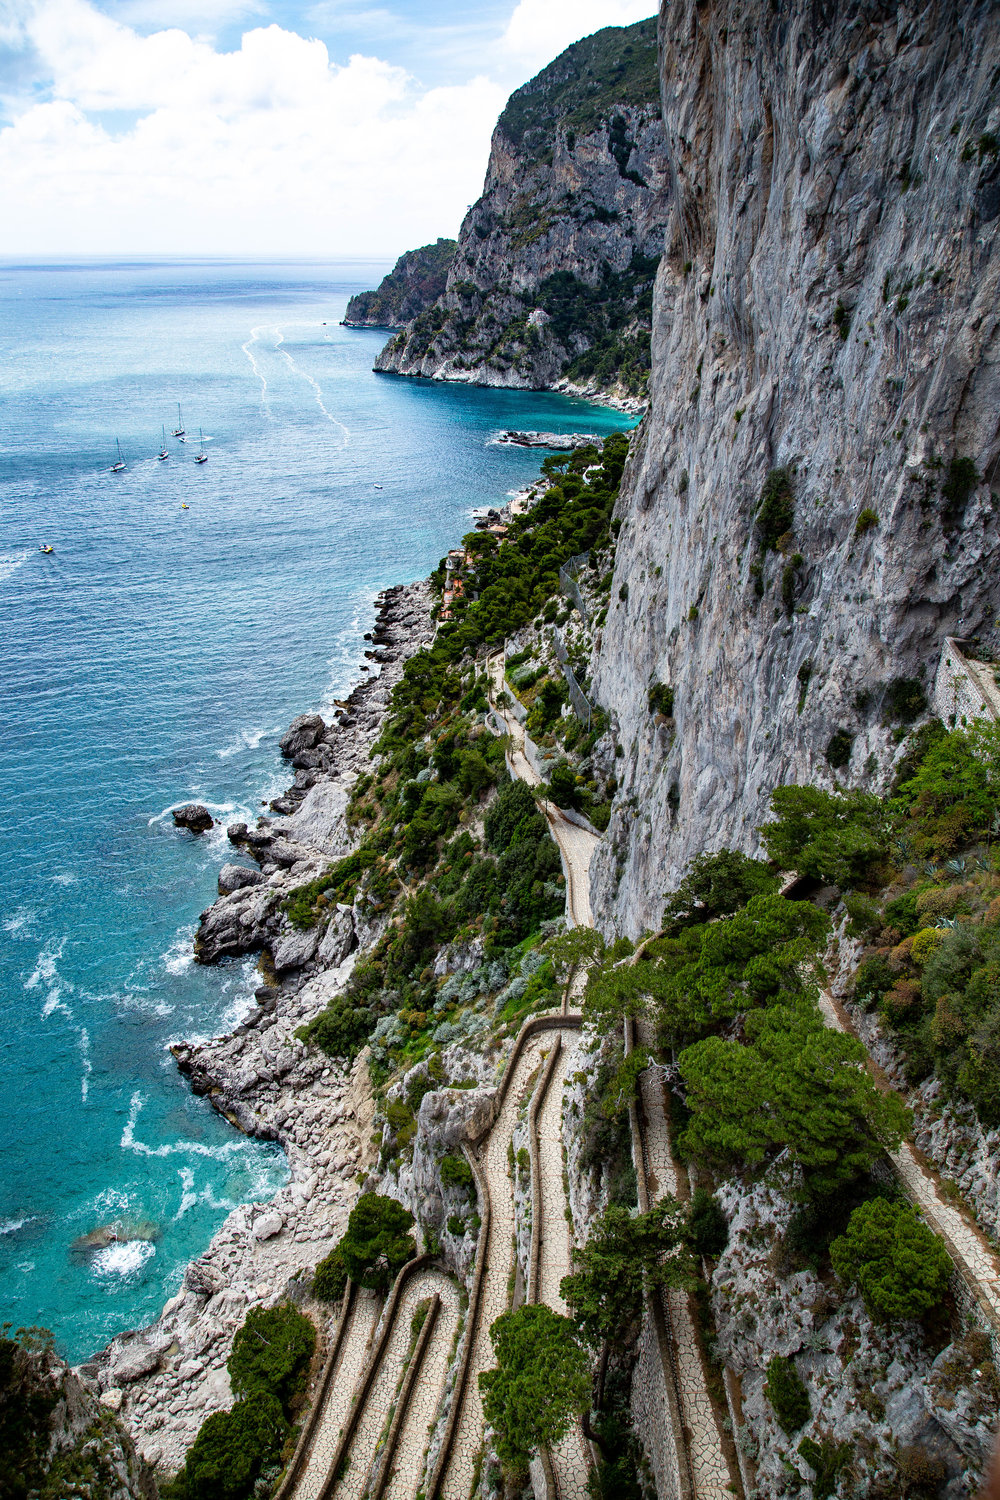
(165, 1379)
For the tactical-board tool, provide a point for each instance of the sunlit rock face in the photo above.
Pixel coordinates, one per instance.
(827, 306)
(552, 276)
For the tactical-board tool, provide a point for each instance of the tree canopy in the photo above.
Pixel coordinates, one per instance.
(377, 1242)
(625, 1256)
(271, 1352)
(794, 1088)
(540, 1383)
(837, 837)
(898, 1264)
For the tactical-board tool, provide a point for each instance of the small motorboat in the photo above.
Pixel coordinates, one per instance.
(201, 457)
(179, 429)
(184, 505)
(46, 548)
(119, 465)
(163, 449)
(378, 486)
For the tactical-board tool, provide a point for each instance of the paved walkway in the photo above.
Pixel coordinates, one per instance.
(709, 1469)
(576, 845)
(381, 1397)
(498, 1278)
(569, 1458)
(363, 1316)
(966, 1242)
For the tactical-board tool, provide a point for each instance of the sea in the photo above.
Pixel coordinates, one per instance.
(185, 614)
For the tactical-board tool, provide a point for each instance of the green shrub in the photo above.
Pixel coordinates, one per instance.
(330, 1277)
(271, 1352)
(233, 1447)
(776, 510)
(456, 1172)
(540, 1383)
(787, 1394)
(339, 883)
(838, 751)
(340, 1030)
(563, 788)
(708, 1229)
(906, 699)
(899, 1265)
(867, 518)
(827, 1458)
(377, 1243)
(841, 319)
(661, 700)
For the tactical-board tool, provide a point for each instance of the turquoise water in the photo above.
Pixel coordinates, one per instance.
(153, 658)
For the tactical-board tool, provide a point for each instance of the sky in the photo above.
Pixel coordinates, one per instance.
(260, 127)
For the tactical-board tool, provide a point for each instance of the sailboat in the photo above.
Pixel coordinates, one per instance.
(117, 468)
(201, 457)
(163, 449)
(179, 429)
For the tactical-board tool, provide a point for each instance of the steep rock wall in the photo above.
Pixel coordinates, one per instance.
(827, 305)
(556, 259)
(415, 282)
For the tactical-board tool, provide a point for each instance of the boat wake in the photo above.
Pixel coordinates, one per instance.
(254, 338)
(316, 388)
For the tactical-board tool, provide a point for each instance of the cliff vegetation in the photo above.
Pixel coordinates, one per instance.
(552, 277)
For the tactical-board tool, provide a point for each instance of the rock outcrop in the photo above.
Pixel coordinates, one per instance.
(826, 329)
(195, 816)
(56, 1437)
(415, 282)
(552, 275)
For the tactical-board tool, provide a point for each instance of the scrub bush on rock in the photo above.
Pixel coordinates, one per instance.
(898, 1264)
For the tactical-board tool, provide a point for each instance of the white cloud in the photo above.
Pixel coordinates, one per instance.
(539, 30)
(270, 148)
(267, 149)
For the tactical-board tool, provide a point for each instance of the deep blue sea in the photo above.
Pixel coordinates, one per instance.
(154, 657)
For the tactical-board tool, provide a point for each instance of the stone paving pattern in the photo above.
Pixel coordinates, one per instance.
(378, 1406)
(967, 1241)
(499, 1263)
(425, 1397)
(363, 1316)
(569, 1458)
(709, 1469)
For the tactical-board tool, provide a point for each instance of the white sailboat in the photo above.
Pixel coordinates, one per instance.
(201, 457)
(163, 445)
(116, 468)
(179, 429)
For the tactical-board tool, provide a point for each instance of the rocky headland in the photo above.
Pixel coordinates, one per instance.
(415, 282)
(551, 281)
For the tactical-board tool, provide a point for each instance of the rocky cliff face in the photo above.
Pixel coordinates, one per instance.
(56, 1438)
(553, 273)
(825, 334)
(415, 282)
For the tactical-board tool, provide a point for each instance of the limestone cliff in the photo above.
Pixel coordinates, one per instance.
(415, 282)
(553, 272)
(825, 339)
(56, 1438)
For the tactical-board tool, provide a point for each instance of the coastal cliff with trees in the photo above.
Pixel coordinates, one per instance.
(628, 944)
(551, 281)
